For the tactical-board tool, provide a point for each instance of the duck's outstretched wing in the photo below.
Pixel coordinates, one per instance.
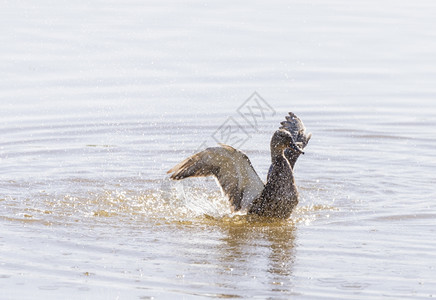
(232, 168)
(295, 127)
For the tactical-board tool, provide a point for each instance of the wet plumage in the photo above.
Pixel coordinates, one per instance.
(240, 182)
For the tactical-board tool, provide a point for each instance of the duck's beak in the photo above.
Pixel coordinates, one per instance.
(296, 147)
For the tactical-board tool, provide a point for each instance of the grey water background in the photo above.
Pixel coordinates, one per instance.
(99, 99)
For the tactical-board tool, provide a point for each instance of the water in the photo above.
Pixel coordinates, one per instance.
(99, 99)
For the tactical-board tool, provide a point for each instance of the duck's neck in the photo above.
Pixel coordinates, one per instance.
(279, 162)
(277, 153)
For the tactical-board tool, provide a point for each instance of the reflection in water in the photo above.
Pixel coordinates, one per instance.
(261, 248)
(282, 251)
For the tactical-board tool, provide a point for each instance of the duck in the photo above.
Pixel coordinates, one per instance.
(246, 192)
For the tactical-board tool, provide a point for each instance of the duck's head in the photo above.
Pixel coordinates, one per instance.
(282, 140)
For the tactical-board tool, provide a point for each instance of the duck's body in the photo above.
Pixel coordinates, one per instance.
(280, 194)
(240, 182)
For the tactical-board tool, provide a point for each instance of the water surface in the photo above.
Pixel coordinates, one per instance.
(98, 100)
